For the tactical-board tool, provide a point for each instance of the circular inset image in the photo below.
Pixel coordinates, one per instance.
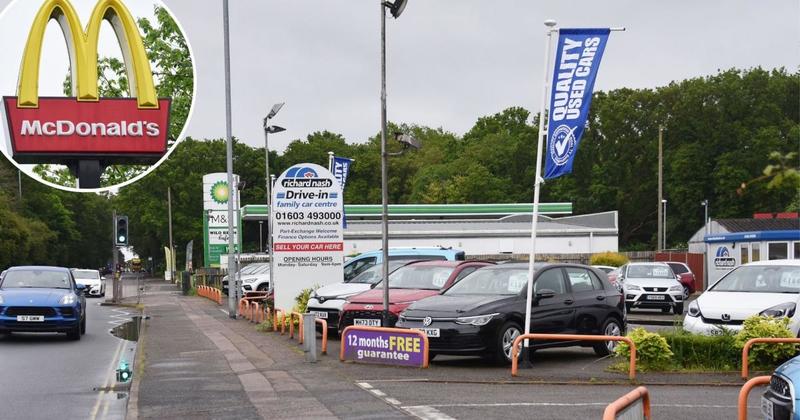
(102, 94)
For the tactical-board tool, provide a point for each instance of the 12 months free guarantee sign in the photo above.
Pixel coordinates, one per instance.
(308, 245)
(387, 346)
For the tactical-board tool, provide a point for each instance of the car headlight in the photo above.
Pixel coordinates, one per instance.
(475, 320)
(249, 280)
(632, 287)
(694, 309)
(68, 299)
(676, 288)
(778, 311)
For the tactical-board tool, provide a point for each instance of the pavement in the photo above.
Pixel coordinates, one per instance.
(197, 362)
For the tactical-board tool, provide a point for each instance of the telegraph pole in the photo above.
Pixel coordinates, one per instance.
(114, 258)
(171, 247)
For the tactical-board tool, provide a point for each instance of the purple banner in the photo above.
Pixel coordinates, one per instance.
(386, 346)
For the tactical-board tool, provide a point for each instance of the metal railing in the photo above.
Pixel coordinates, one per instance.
(745, 392)
(627, 400)
(752, 341)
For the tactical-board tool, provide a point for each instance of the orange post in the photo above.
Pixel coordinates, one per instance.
(324, 334)
(750, 342)
(626, 401)
(275, 319)
(566, 337)
(299, 326)
(745, 392)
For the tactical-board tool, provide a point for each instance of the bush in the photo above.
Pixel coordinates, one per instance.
(613, 259)
(301, 300)
(715, 352)
(652, 350)
(766, 355)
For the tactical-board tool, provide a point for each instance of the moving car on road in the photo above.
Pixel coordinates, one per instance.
(94, 284)
(780, 399)
(483, 313)
(770, 288)
(42, 299)
(651, 285)
(327, 302)
(408, 284)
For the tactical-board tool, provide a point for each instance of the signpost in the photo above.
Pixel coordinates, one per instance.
(308, 245)
(386, 346)
(215, 226)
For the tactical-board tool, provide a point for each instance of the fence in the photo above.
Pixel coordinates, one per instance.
(634, 256)
(696, 263)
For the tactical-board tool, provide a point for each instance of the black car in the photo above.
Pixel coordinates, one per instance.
(484, 312)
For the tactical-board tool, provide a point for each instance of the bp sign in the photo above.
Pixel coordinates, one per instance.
(307, 231)
(216, 194)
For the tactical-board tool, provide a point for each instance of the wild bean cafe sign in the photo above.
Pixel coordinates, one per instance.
(308, 245)
(216, 194)
(86, 126)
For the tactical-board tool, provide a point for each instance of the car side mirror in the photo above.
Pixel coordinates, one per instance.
(544, 294)
(80, 288)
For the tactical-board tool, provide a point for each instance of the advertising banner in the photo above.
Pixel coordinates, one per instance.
(308, 245)
(215, 205)
(341, 169)
(386, 346)
(576, 62)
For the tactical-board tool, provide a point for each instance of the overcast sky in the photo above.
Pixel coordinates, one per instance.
(449, 61)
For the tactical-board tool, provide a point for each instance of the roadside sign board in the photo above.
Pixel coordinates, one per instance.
(308, 244)
(215, 205)
(385, 346)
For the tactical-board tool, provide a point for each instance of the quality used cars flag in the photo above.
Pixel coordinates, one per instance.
(340, 169)
(577, 59)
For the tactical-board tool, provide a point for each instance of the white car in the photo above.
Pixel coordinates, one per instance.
(257, 279)
(651, 285)
(770, 288)
(327, 302)
(94, 283)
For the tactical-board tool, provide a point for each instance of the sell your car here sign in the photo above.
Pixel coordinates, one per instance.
(308, 244)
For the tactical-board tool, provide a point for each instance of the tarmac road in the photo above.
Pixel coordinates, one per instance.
(47, 376)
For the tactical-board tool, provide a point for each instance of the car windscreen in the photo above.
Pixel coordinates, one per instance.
(491, 282)
(678, 268)
(650, 271)
(86, 274)
(420, 277)
(761, 279)
(374, 274)
(36, 279)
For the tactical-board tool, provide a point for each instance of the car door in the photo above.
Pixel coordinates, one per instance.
(590, 300)
(553, 315)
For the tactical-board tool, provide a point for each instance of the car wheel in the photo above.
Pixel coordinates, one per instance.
(678, 309)
(505, 339)
(686, 292)
(83, 325)
(610, 327)
(665, 309)
(75, 334)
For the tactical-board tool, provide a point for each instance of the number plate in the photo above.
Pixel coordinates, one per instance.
(321, 315)
(367, 322)
(655, 297)
(430, 332)
(30, 318)
(766, 408)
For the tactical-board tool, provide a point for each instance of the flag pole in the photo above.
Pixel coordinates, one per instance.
(550, 24)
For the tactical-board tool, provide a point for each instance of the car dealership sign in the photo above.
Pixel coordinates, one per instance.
(86, 126)
(386, 346)
(308, 245)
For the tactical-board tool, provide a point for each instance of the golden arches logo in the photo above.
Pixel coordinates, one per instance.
(82, 46)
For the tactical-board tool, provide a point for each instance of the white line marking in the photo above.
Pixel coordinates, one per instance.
(377, 392)
(426, 413)
(225, 312)
(392, 401)
(558, 404)
(364, 385)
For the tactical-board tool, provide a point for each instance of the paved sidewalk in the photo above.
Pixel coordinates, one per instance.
(197, 363)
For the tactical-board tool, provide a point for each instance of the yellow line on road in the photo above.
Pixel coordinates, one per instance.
(109, 377)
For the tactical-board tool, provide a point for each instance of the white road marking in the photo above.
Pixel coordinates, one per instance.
(392, 401)
(377, 392)
(225, 312)
(364, 385)
(559, 404)
(426, 412)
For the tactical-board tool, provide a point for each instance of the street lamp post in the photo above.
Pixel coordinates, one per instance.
(396, 8)
(260, 236)
(704, 203)
(267, 180)
(664, 236)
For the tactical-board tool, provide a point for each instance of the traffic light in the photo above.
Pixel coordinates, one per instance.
(122, 230)
(124, 372)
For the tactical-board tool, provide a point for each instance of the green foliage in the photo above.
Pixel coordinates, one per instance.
(301, 300)
(766, 355)
(652, 350)
(612, 259)
(715, 352)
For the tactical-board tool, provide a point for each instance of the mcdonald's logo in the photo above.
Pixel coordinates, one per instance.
(86, 126)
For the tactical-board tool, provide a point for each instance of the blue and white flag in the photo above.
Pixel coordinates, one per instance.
(341, 168)
(576, 62)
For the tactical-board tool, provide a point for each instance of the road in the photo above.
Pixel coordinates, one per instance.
(46, 376)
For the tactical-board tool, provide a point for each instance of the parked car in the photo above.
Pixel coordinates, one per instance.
(42, 299)
(94, 284)
(770, 288)
(244, 272)
(611, 273)
(258, 279)
(651, 285)
(412, 282)
(361, 262)
(687, 278)
(483, 313)
(327, 302)
(779, 400)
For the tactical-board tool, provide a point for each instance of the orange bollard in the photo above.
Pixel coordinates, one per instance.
(751, 342)
(745, 391)
(640, 393)
(324, 334)
(299, 326)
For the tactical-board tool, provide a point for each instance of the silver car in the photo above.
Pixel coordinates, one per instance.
(651, 285)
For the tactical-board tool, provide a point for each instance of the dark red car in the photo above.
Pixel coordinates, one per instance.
(686, 277)
(407, 285)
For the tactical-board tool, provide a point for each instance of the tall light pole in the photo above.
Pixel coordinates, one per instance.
(664, 236)
(704, 203)
(396, 8)
(660, 234)
(268, 181)
(260, 236)
(229, 160)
